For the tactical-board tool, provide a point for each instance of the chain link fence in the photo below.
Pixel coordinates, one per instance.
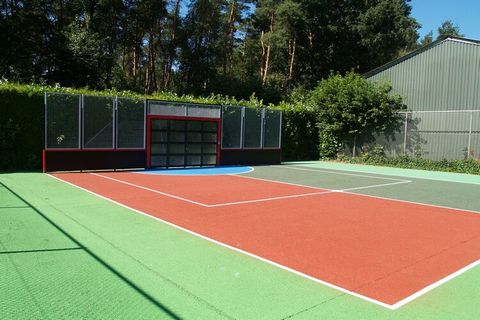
(251, 128)
(75, 121)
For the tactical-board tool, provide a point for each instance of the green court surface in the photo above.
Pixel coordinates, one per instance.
(68, 254)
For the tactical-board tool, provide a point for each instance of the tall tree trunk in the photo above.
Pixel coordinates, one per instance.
(291, 53)
(135, 61)
(262, 59)
(267, 55)
(150, 72)
(229, 38)
(167, 74)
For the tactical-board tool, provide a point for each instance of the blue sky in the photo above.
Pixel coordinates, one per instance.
(464, 13)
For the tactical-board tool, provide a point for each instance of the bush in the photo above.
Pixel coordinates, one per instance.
(350, 108)
(299, 132)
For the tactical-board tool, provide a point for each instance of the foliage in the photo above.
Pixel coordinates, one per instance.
(376, 156)
(351, 109)
(200, 47)
(299, 132)
(448, 29)
(426, 40)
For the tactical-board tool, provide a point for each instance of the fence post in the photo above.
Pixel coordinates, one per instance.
(46, 122)
(262, 128)
(354, 153)
(469, 148)
(80, 122)
(405, 134)
(242, 121)
(115, 124)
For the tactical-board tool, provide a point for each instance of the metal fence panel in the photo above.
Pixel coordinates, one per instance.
(232, 127)
(98, 124)
(203, 111)
(437, 135)
(130, 123)
(252, 132)
(272, 128)
(62, 117)
(165, 108)
(474, 145)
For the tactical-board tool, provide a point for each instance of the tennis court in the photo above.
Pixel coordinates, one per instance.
(301, 240)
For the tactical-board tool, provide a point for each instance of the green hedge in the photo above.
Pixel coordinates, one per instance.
(21, 128)
(300, 137)
(22, 122)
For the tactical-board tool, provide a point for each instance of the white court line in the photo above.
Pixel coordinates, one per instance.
(367, 195)
(396, 174)
(434, 285)
(151, 190)
(271, 199)
(331, 285)
(323, 191)
(376, 185)
(340, 173)
(411, 202)
(212, 205)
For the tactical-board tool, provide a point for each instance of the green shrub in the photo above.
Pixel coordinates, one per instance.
(350, 108)
(299, 132)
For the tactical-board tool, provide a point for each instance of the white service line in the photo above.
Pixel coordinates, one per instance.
(334, 172)
(270, 199)
(151, 190)
(376, 185)
(213, 205)
(411, 202)
(303, 275)
(348, 190)
(280, 182)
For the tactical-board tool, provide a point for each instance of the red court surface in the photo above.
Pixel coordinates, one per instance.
(382, 250)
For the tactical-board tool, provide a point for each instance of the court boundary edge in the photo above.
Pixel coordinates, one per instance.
(327, 284)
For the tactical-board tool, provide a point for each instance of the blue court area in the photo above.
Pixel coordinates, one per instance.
(200, 171)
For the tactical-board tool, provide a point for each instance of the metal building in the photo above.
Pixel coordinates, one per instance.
(440, 86)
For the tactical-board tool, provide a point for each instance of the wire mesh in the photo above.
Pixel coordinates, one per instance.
(98, 128)
(232, 127)
(130, 123)
(252, 133)
(474, 146)
(272, 126)
(202, 111)
(165, 108)
(62, 121)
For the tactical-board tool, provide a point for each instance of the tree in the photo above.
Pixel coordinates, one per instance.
(449, 29)
(427, 39)
(352, 109)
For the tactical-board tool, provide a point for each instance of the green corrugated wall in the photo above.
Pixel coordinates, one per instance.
(444, 77)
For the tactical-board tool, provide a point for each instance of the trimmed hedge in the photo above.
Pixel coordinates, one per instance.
(22, 122)
(21, 128)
